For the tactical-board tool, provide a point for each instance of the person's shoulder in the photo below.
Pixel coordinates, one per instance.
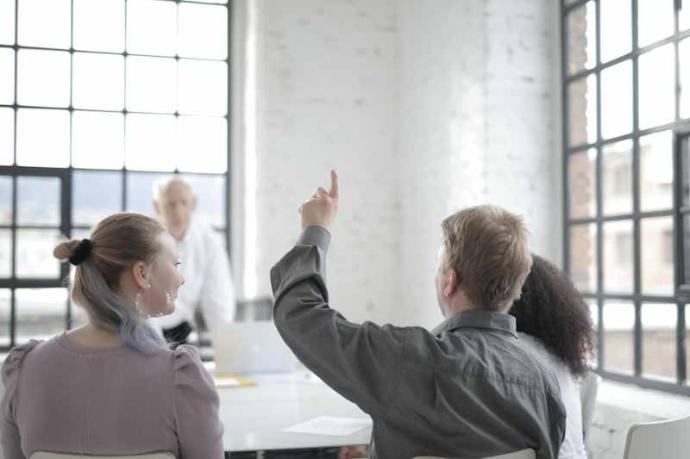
(187, 361)
(15, 359)
(202, 232)
(190, 372)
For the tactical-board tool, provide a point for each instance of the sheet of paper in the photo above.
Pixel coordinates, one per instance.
(329, 425)
(232, 381)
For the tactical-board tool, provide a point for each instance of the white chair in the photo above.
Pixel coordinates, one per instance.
(661, 440)
(44, 455)
(589, 386)
(522, 454)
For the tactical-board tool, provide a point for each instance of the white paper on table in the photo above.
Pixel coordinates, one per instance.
(330, 425)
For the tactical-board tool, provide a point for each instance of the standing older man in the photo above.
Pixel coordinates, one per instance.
(204, 264)
(468, 390)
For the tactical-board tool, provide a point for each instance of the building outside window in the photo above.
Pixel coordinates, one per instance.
(626, 97)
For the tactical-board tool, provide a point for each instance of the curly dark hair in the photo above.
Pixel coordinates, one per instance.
(552, 310)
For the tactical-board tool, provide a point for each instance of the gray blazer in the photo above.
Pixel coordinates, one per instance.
(469, 390)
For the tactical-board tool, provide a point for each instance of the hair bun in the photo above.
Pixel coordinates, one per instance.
(64, 250)
(73, 251)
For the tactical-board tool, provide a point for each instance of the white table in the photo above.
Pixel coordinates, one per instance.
(254, 417)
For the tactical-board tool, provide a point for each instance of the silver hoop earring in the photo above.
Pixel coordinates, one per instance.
(137, 303)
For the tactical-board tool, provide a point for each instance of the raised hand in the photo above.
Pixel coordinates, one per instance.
(322, 207)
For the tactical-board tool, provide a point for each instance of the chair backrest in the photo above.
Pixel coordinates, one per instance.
(589, 386)
(661, 440)
(522, 454)
(45, 455)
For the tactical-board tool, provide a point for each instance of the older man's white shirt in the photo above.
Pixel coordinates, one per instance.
(208, 281)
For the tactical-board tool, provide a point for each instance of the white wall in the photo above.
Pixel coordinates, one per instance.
(477, 126)
(327, 97)
(425, 107)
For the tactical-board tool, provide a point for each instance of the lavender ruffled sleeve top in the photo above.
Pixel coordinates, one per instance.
(62, 397)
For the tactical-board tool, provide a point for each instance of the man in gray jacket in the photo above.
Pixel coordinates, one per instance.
(469, 389)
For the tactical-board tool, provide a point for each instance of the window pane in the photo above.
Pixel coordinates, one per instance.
(203, 31)
(35, 253)
(5, 253)
(210, 192)
(683, 20)
(44, 23)
(582, 187)
(5, 200)
(617, 178)
(99, 26)
(656, 244)
(98, 81)
(618, 257)
(656, 171)
(655, 20)
(582, 111)
(5, 312)
(143, 17)
(657, 89)
(684, 60)
(38, 201)
(98, 140)
(203, 144)
(616, 28)
(151, 84)
(51, 148)
(7, 22)
(140, 192)
(6, 76)
(616, 100)
(6, 136)
(203, 87)
(659, 340)
(619, 323)
(89, 203)
(582, 38)
(43, 78)
(151, 143)
(40, 313)
(583, 257)
(78, 233)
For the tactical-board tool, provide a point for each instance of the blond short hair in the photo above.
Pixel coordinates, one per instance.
(488, 247)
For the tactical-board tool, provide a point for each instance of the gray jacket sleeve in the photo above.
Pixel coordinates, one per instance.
(361, 362)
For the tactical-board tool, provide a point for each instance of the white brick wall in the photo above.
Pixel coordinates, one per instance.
(522, 119)
(425, 107)
(327, 97)
(477, 125)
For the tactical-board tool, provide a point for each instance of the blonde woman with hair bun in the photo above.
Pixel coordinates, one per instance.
(113, 386)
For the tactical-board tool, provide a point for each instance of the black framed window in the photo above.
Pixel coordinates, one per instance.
(94, 108)
(625, 96)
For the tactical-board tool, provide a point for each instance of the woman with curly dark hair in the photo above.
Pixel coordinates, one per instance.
(554, 321)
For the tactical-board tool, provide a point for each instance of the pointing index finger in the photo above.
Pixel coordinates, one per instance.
(335, 189)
